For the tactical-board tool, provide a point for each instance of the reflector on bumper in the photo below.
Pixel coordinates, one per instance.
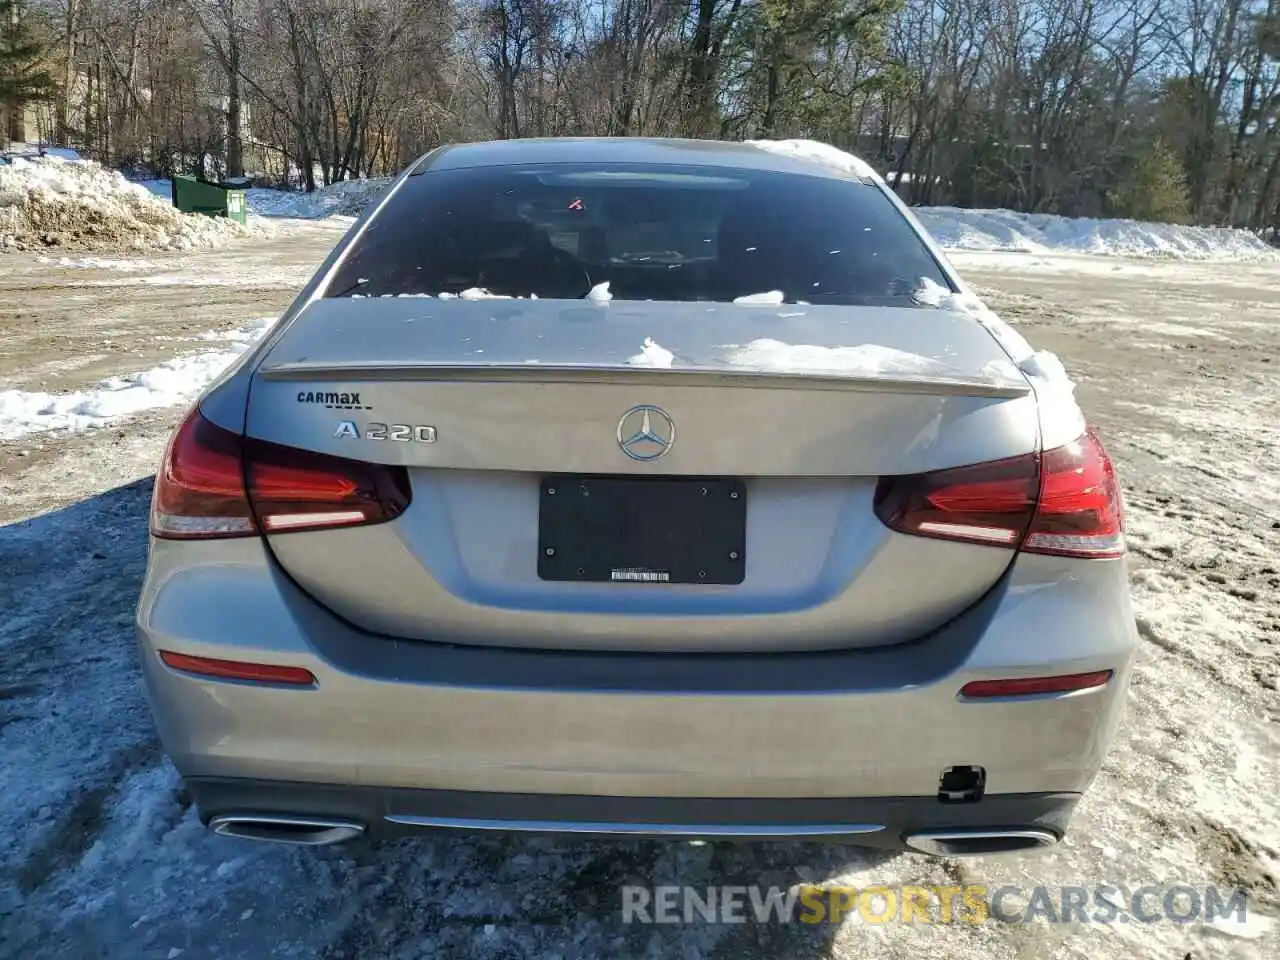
(1033, 686)
(237, 669)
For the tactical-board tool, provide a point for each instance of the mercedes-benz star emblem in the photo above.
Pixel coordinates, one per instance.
(646, 432)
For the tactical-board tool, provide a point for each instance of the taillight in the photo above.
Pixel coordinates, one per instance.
(215, 483)
(990, 503)
(1081, 511)
(1065, 502)
(200, 486)
(294, 489)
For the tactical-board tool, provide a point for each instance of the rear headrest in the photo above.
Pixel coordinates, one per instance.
(495, 238)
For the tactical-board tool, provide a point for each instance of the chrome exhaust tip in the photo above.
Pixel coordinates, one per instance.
(972, 843)
(283, 828)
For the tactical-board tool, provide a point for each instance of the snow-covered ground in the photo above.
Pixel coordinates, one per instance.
(348, 198)
(345, 199)
(1174, 361)
(68, 323)
(30, 150)
(124, 264)
(170, 383)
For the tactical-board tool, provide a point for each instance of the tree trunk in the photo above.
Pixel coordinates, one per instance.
(235, 146)
(773, 91)
(699, 82)
(62, 132)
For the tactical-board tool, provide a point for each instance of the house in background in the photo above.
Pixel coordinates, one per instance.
(19, 125)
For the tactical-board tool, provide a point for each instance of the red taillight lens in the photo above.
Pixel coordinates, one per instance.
(1081, 511)
(989, 503)
(298, 490)
(1066, 502)
(200, 486)
(1034, 686)
(238, 669)
(214, 483)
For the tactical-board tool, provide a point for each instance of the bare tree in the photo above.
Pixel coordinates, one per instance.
(1069, 106)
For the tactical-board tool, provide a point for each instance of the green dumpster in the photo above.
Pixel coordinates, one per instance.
(194, 195)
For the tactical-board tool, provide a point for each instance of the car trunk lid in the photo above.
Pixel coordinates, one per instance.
(491, 403)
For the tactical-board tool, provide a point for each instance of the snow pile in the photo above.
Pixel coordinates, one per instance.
(345, 199)
(161, 188)
(1041, 365)
(479, 293)
(1054, 388)
(867, 359)
(171, 383)
(961, 229)
(244, 337)
(471, 293)
(51, 202)
(27, 150)
(652, 354)
(816, 152)
(770, 298)
(100, 263)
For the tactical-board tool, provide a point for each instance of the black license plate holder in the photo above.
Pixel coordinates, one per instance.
(594, 529)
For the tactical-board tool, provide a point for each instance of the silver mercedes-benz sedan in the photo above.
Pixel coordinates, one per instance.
(644, 487)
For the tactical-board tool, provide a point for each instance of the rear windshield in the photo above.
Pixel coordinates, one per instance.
(650, 232)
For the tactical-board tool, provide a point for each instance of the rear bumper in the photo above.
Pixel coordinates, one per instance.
(428, 724)
(387, 813)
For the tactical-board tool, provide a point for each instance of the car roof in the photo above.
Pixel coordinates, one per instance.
(637, 150)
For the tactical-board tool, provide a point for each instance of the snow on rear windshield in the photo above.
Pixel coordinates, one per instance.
(642, 232)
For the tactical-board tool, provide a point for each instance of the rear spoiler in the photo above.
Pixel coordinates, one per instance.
(685, 376)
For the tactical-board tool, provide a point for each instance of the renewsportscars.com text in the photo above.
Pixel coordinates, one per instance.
(969, 903)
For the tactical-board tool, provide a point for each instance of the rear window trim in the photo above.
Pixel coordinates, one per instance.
(425, 166)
